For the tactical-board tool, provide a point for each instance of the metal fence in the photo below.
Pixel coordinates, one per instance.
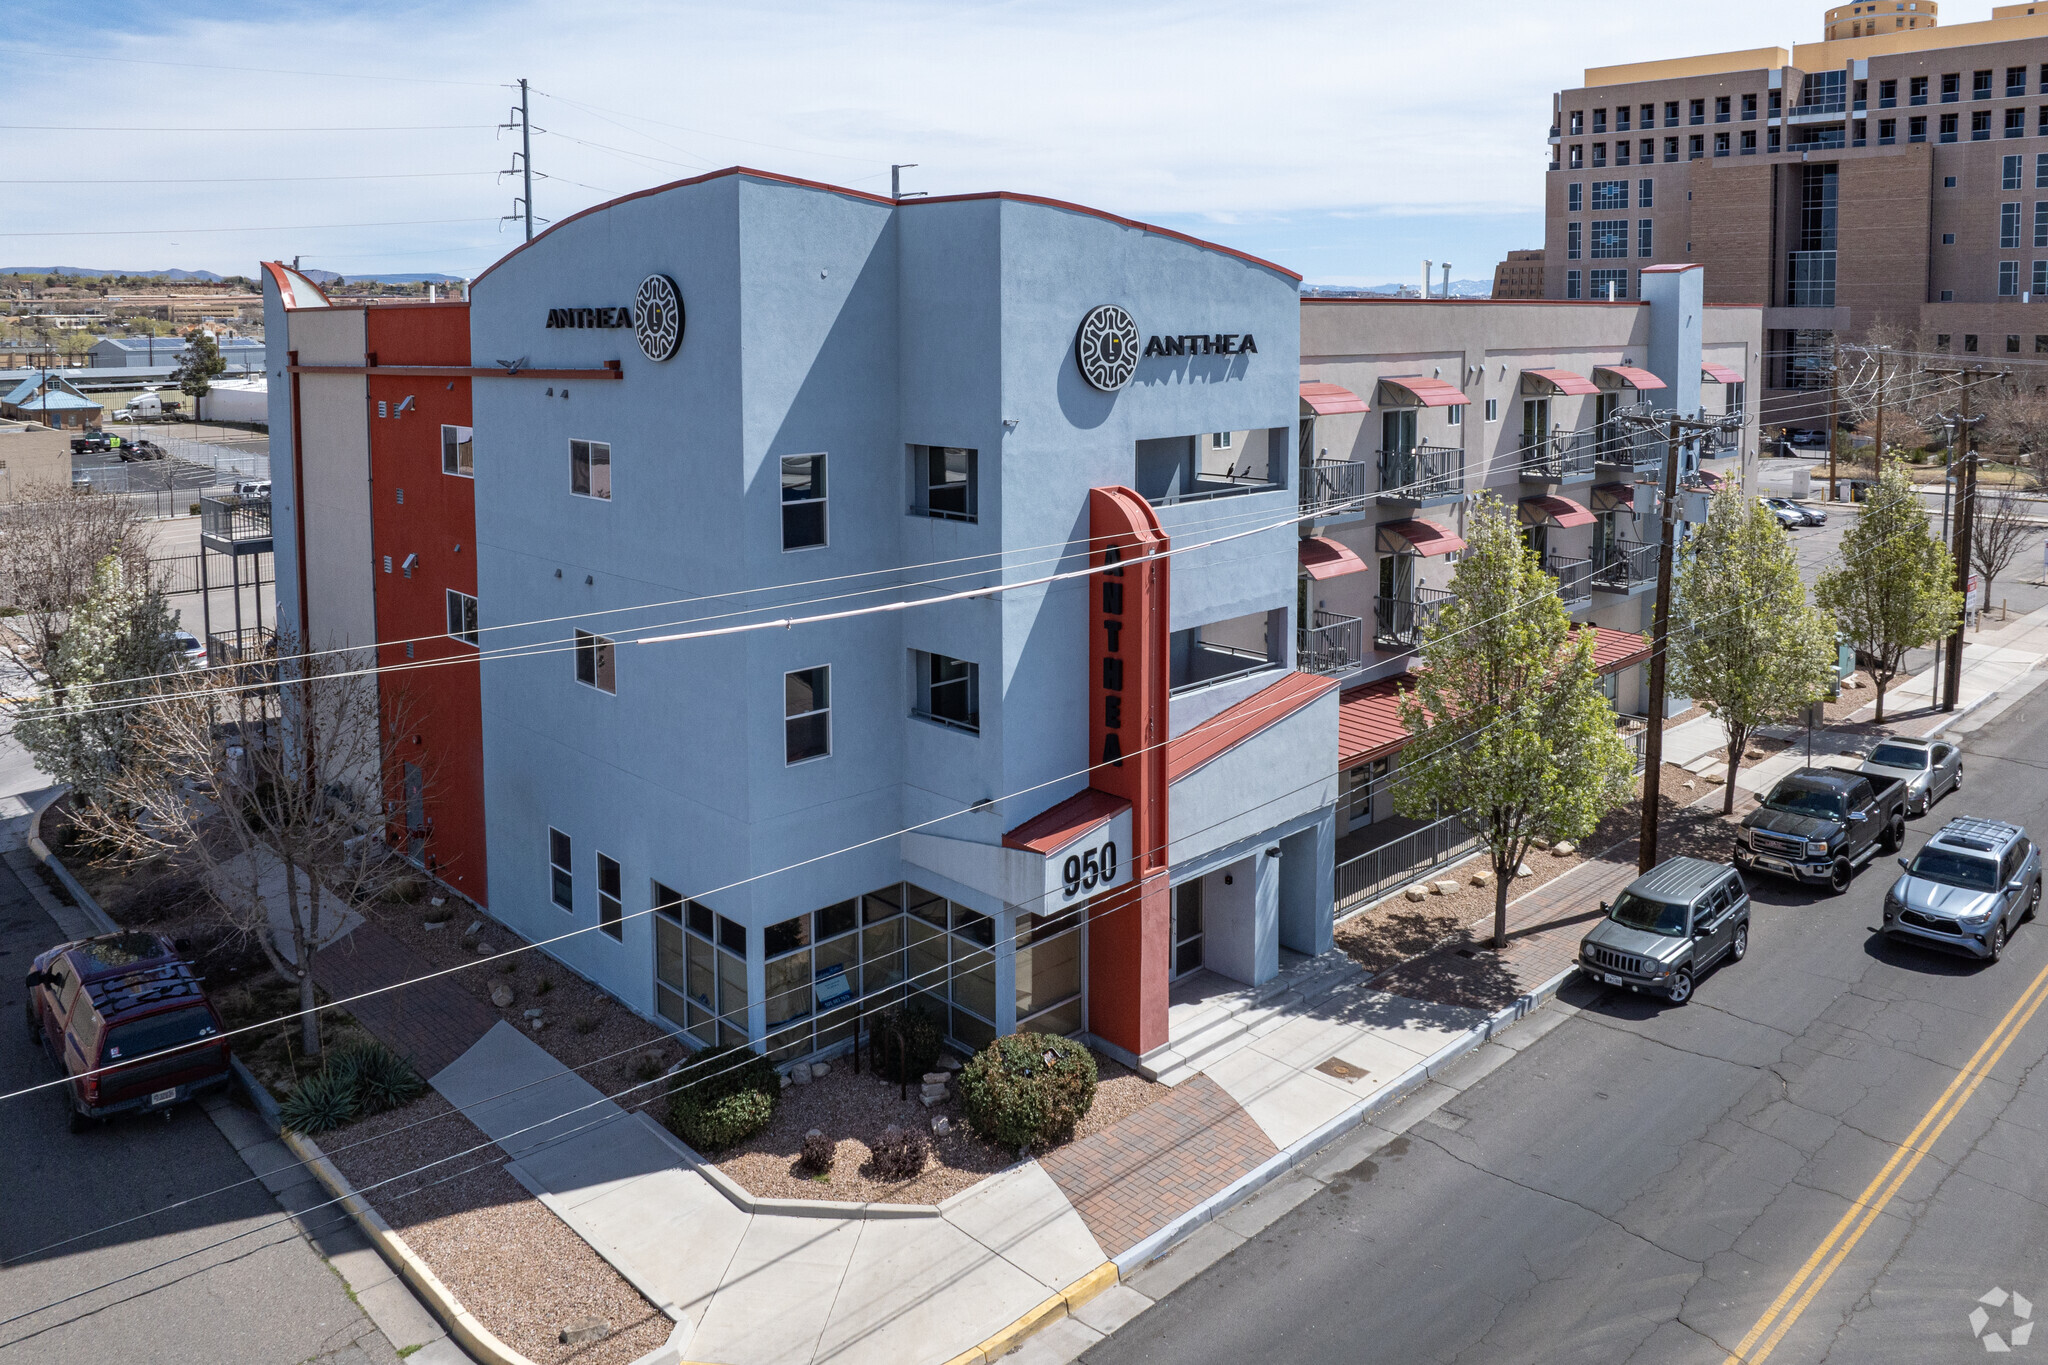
(169, 485)
(180, 573)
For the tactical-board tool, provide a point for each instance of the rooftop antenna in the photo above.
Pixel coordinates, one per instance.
(896, 171)
(1446, 291)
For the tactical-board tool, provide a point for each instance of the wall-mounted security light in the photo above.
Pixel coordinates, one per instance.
(403, 406)
(409, 563)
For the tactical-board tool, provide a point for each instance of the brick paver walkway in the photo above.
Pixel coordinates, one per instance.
(1142, 1172)
(431, 1023)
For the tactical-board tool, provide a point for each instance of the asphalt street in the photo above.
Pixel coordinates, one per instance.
(1642, 1182)
(223, 1282)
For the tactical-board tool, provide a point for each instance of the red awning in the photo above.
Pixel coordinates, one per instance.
(1060, 825)
(1628, 376)
(1556, 381)
(1369, 721)
(1719, 374)
(1417, 537)
(1327, 400)
(1614, 497)
(1428, 393)
(1554, 511)
(1323, 558)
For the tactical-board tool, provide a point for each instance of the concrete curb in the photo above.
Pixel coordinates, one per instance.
(473, 1336)
(789, 1208)
(79, 895)
(1387, 1096)
(1043, 1315)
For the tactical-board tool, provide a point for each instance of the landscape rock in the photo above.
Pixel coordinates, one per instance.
(820, 1070)
(929, 1100)
(1752, 753)
(1483, 877)
(937, 1077)
(539, 1024)
(786, 1082)
(800, 1075)
(585, 1329)
(474, 925)
(948, 1062)
(1563, 848)
(1688, 784)
(431, 925)
(1417, 893)
(1713, 779)
(941, 1125)
(533, 1014)
(438, 900)
(501, 995)
(1524, 870)
(483, 949)
(1539, 843)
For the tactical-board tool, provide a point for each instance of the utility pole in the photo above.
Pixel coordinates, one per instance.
(1834, 392)
(1966, 497)
(1877, 451)
(524, 170)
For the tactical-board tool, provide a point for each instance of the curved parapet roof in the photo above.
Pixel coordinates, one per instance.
(295, 289)
(899, 203)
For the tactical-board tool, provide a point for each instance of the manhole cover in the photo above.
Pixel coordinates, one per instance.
(1342, 1070)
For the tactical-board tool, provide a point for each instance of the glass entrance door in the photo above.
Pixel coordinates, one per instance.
(1187, 927)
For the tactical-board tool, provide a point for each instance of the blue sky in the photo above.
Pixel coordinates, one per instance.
(1343, 140)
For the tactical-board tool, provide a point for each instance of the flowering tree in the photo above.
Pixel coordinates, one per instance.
(1893, 590)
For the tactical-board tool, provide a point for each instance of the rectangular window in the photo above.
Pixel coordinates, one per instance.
(2041, 222)
(1697, 112)
(1777, 98)
(1455, 415)
(1980, 85)
(1643, 238)
(943, 484)
(947, 691)
(1649, 151)
(2041, 340)
(1916, 90)
(1721, 111)
(1771, 139)
(1887, 131)
(2008, 279)
(1948, 127)
(1720, 144)
(1887, 94)
(1951, 88)
(560, 864)
(1578, 156)
(1575, 196)
(594, 667)
(807, 714)
(1599, 154)
(2009, 173)
(1577, 124)
(1610, 286)
(1748, 107)
(1599, 120)
(1493, 409)
(1749, 142)
(1572, 250)
(1696, 147)
(2041, 122)
(1621, 119)
(457, 451)
(1980, 125)
(590, 469)
(2041, 170)
(1646, 194)
(1671, 149)
(803, 501)
(1916, 128)
(2015, 123)
(1671, 113)
(2008, 226)
(700, 966)
(2015, 80)
(1610, 194)
(1970, 342)
(1571, 291)
(462, 624)
(611, 915)
(2012, 343)
(1649, 111)
(1610, 238)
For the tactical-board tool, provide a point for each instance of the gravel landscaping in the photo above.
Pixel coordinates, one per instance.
(507, 1259)
(855, 1109)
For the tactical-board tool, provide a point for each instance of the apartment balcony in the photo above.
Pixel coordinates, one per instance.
(1624, 567)
(252, 647)
(1207, 486)
(1421, 476)
(1574, 579)
(1399, 624)
(235, 526)
(1333, 643)
(1336, 487)
(1631, 452)
(1565, 457)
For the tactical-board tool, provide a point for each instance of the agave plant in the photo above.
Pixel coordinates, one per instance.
(322, 1101)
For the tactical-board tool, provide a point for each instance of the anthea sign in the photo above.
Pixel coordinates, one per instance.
(1201, 343)
(590, 317)
(655, 315)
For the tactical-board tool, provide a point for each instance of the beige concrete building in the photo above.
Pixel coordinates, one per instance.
(1520, 276)
(32, 456)
(1898, 177)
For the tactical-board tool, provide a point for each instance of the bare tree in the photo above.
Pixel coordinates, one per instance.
(2016, 423)
(268, 780)
(52, 543)
(1998, 527)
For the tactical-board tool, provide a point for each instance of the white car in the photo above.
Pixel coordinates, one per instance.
(1787, 518)
(191, 650)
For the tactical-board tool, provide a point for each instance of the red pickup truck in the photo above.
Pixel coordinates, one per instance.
(129, 1010)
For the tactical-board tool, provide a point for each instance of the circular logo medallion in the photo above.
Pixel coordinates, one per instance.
(1106, 347)
(658, 317)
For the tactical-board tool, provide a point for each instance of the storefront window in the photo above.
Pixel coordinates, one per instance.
(699, 984)
(1049, 973)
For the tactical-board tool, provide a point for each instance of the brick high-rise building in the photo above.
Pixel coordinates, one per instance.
(1520, 276)
(1897, 177)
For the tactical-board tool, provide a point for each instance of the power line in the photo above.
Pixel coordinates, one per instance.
(256, 179)
(165, 128)
(76, 56)
(287, 227)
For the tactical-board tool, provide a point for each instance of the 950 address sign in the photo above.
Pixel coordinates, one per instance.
(1098, 861)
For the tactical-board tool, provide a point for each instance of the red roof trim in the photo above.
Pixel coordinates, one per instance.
(1369, 721)
(1614, 650)
(896, 203)
(1227, 729)
(1057, 826)
(1327, 400)
(283, 276)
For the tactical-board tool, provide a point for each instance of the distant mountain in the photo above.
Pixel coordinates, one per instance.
(1460, 289)
(207, 275)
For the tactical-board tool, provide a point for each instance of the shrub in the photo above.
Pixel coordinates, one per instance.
(321, 1101)
(900, 1153)
(908, 1034)
(385, 1080)
(819, 1151)
(722, 1098)
(1028, 1090)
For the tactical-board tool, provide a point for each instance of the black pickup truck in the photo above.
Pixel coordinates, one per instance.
(1821, 824)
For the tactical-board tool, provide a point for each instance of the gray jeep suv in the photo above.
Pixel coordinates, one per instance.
(1967, 889)
(1670, 925)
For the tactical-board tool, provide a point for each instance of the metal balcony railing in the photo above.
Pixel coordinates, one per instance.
(1399, 624)
(1624, 566)
(1620, 447)
(1422, 474)
(235, 521)
(1327, 484)
(253, 648)
(1560, 457)
(1574, 579)
(1334, 643)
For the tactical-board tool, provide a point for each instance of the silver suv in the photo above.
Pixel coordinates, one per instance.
(1967, 889)
(1668, 927)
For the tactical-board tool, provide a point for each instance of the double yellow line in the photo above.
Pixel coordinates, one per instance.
(1777, 1320)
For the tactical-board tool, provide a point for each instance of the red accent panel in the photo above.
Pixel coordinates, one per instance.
(1227, 729)
(1614, 650)
(440, 701)
(1054, 829)
(1129, 952)
(1327, 400)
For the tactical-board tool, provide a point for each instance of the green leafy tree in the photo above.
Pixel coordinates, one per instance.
(115, 647)
(1511, 727)
(198, 367)
(1745, 644)
(1894, 589)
